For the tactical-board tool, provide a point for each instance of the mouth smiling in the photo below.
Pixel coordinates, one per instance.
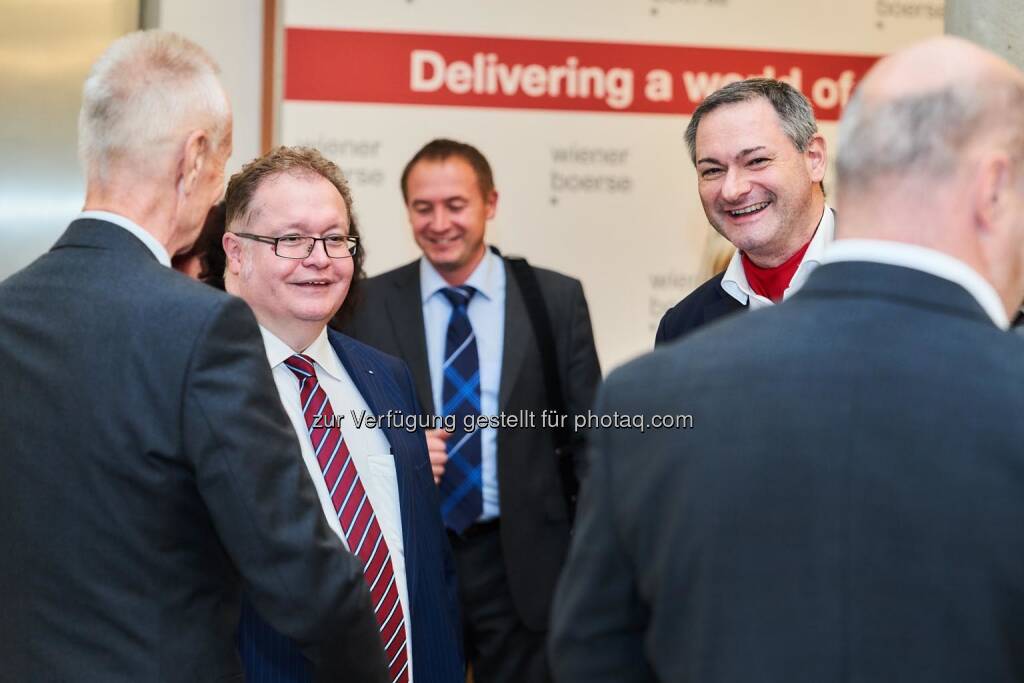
(313, 283)
(443, 240)
(749, 210)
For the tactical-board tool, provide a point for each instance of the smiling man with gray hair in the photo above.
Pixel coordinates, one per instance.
(860, 521)
(760, 164)
(148, 470)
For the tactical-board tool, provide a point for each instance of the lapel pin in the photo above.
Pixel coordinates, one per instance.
(370, 371)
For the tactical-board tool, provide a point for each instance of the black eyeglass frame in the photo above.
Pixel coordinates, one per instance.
(352, 240)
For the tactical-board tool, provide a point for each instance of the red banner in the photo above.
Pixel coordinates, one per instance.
(512, 73)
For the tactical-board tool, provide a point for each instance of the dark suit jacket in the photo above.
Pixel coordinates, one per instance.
(707, 303)
(385, 384)
(534, 519)
(148, 474)
(846, 507)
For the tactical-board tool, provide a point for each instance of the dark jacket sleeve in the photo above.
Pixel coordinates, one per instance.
(662, 336)
(580, 365)
(679, 319)
(702, 306)
(251, 477)
(582, 369)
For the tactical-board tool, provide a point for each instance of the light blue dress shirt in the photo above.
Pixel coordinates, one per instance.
(487, 316)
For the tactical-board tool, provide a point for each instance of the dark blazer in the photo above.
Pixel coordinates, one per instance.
(707, 303)
(385, 384)
(704, 305)
(148, 475)
(534, 519)
(845, 507)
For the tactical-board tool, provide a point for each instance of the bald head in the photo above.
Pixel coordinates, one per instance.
(143, 96)
(931, 153)
(155, 134)
(931, 66)
(918, 112)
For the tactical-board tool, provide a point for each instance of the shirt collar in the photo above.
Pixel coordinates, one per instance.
(320, 350)
(159, 251)
(484, 278)
(734, 282)
(928, 261)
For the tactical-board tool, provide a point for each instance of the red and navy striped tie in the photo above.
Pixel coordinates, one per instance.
(358, 522)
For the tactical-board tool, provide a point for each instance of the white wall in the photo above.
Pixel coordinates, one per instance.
(46, 49)
(607, 195)
(232, 31)
(995, 24)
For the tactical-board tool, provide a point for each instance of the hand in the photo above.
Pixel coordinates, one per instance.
(438, 451)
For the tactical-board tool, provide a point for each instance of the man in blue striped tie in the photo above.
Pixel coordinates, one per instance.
(462, 321)
(461, 485)
(293, 253)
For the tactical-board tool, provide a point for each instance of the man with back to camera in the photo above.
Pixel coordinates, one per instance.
(292, 255)
(760, 162)
(149, 473)
(859, 522)
(459, 318)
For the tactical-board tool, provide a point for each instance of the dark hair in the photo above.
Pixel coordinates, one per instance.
(795, 112)
(441, 149)
(206, 250)
(296, 161)
(209, 248)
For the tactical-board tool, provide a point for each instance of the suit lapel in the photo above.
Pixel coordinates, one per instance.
(363, 376)
(518, 337)
(374, 389)
(721, 306)
(405, 309)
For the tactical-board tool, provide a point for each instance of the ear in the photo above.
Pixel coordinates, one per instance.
(233, 248)
(816, 157)
(195, 154)
(990, 191)
(491, 204)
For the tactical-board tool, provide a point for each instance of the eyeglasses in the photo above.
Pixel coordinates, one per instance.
(301, 246)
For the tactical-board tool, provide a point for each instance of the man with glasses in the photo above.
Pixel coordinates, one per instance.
(461, 319)
(292, 255)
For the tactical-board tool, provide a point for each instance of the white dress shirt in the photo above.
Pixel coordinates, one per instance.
(134, 228)
(371, 452)
(486, 313)
(927, 261)
(734, 282)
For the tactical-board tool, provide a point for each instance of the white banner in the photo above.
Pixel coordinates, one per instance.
(580, 107)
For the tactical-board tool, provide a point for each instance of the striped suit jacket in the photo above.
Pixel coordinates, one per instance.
(385, 384)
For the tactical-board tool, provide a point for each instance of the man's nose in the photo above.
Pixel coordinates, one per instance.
(734, 185)
(441, 219)
(318, 256)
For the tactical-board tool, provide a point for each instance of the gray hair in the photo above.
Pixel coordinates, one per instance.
(143, 93)
(795, 112)
(926, 134)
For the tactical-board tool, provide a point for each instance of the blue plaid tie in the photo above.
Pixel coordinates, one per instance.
(461, 487)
